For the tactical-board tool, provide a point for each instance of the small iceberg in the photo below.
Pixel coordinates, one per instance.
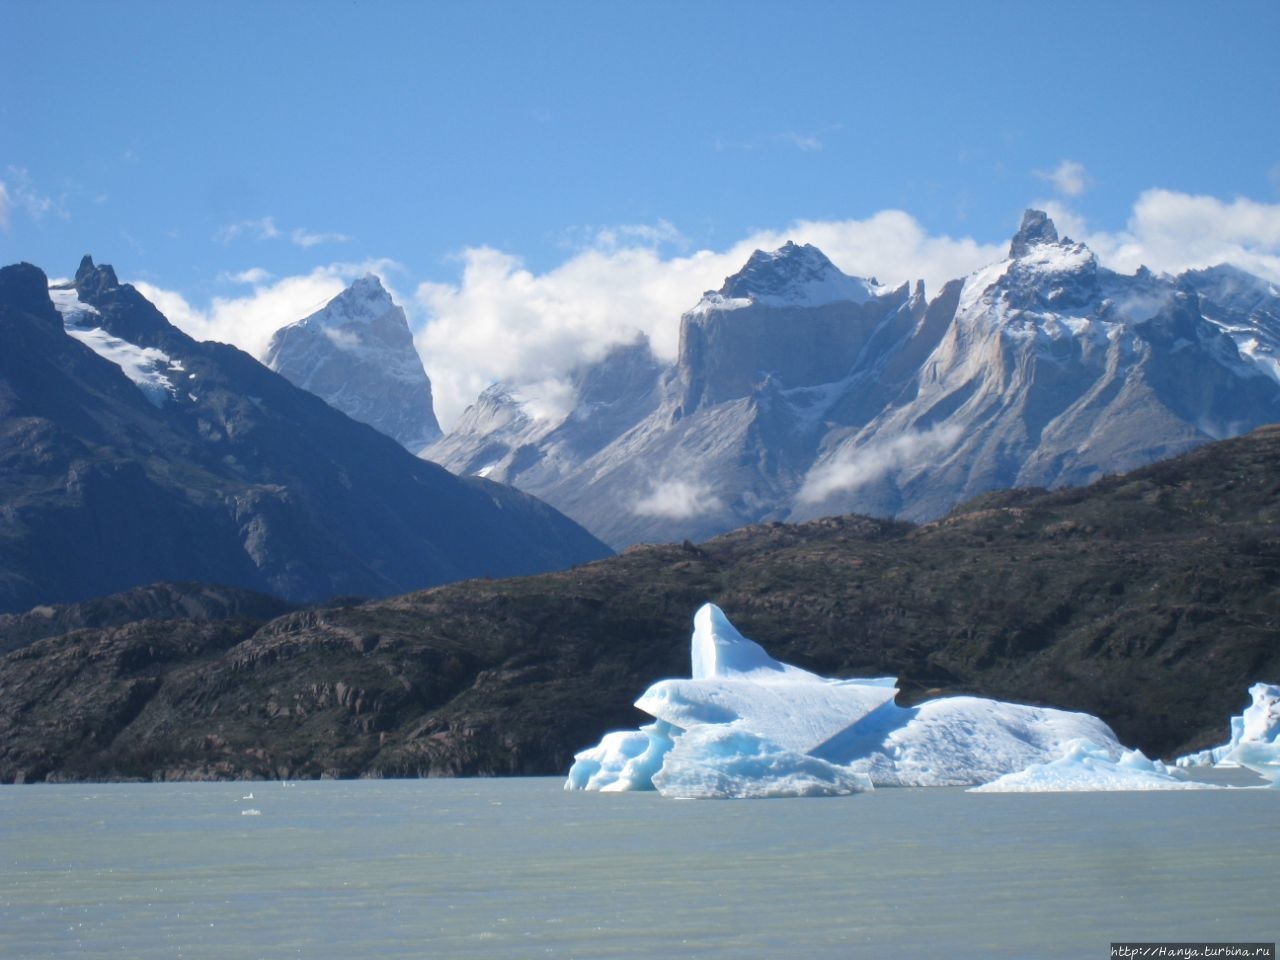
(1255, 738)
(1087, 766)
(746, 725)
(250, 812)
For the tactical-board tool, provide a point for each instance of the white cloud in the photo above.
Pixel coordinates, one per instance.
(649, 236)
(21, 193)
(1068, 178)
(263, 228)
(1170, 232)
(802, 141)
(678, 500)
(254, 276)
(249, 320)
(854, 467)
(4, 207)
(306, 238)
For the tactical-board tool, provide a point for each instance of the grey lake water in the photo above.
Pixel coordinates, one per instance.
(518, 868)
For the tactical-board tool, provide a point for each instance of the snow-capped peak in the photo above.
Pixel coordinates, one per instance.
(791, 276)
(1036, 229)
(363, 301)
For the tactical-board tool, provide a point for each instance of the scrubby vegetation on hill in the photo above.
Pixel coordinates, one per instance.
(1151, 599)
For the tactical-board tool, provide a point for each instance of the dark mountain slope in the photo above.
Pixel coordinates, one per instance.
(1150, 599)
(219, 471)
(157, 601)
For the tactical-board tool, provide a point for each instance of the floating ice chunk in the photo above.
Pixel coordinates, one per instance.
(750, 726)
(734, 679)
(722, 761)
(961, 741)
(1255, 737)
(1085, 765)
(623, 760)
(798, 715)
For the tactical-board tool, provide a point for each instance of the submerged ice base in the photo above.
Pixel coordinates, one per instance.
(746, 725)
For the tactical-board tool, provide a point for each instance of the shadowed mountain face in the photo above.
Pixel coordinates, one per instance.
(801, 392)
(130, 453)
(1149, 599)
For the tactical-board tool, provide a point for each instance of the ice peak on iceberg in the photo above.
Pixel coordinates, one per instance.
(1036, 229)
(720, 651)
(794, 275)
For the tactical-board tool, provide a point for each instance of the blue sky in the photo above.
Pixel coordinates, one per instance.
(535, 180)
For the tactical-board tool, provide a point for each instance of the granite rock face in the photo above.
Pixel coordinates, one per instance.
(800, 392)
(357, 354)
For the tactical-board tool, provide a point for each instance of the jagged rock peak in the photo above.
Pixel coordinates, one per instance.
(364, 300)
(794, 274)
(94, 279)
(1036, 229)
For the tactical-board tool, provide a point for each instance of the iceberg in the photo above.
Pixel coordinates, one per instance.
(746, 725)
(1255, 737)
(717, 760)
(1087, 766)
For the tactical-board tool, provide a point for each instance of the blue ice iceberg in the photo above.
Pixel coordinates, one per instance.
(1255, 737)
(1087, 766)
(746, 725)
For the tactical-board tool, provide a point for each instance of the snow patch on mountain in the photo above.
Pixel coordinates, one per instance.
(150, 369)
(791, 276)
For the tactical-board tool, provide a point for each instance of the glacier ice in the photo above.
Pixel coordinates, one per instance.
(747, 725)
(1255, 737)
(149, 368)
(1086, 766)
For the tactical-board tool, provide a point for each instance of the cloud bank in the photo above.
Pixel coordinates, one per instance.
(248, 320)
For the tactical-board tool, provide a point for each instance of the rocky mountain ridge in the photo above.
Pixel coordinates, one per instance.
(130, 453)
(798, 394)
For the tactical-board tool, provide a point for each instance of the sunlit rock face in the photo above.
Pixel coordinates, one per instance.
(800, 392)
(357, 354)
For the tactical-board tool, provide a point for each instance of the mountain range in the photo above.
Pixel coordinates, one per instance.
(802, 392)
(1150, 599)
(131, 453)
